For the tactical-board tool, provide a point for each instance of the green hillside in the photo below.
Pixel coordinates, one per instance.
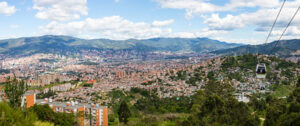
(283, 48)
(62, 44)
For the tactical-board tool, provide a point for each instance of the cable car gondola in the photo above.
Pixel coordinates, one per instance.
(261, 71)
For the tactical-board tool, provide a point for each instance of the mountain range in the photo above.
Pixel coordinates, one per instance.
(63, 44)
(67, 44)
(282, 48)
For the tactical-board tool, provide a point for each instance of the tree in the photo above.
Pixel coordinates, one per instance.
(298, 83)
(284, 112)
(273, 113)
(57, 80)
(124, 112)
(290, 120)
(15, 117)
(64, 119)
(258, 105)
(210, 75)
(224, 90)
(45, 113)
(14, 90)
(43, 95)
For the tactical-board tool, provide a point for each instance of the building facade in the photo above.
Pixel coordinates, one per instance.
(87, 114)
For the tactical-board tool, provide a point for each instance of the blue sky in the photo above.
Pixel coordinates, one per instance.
(239, 21)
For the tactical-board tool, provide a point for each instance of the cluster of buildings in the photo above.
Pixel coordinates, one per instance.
(158, 76)
(46, 69)
(295, 57)
(126, 75)
(87, 114)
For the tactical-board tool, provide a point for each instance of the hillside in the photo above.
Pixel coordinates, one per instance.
(63, 44)
(226, 78)
(284, 48)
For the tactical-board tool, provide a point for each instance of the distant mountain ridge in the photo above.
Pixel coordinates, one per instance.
(283, 48)
(62, 44)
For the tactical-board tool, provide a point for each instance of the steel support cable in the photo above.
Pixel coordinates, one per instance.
(285, 29)
(275, 22)
(278, 14)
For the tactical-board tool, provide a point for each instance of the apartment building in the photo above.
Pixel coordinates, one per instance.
(29, 99)
(96, 115)
(88, 114)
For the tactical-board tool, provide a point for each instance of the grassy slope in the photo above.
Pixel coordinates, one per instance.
(282, 91)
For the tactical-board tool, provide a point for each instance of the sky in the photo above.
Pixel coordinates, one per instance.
(234, 21)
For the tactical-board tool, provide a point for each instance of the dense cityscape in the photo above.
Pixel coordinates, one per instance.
(149, 63)
(82, 81)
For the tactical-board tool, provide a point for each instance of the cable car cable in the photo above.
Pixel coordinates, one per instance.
(285, 29)
(271, 30)
(275, 22)
(261, 68)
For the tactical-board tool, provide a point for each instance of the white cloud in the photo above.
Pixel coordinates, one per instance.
(211, 33)
(190, 6)
(228, 23)
(117, 1)
(197, 7)
(250, 41)
(114, 27)
(262, 19)
(162, 23)
(251, 3)
(8, 37)
(184, 35)
(201, 33)
(14, 26)
(291, 33)
(219, 26)
(60, 10)
(6, 9)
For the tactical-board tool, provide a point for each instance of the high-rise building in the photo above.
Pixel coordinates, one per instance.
(28, 100)
(96, 115)
(87, 114)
